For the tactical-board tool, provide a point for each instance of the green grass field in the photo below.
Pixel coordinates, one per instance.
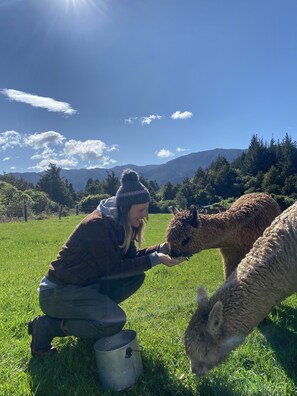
(265, 364)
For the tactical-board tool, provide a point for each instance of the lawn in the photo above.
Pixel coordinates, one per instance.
(265, 364)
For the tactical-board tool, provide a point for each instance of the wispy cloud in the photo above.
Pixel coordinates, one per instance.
(164, 153)
(6, 159)
(49, 104)
(131, 120)
(181, 115)
(147, 120)
(10, 139)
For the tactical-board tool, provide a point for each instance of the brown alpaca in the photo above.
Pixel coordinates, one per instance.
(265, 277)
(233, 231)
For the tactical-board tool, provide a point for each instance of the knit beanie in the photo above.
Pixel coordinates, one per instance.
(131, 191)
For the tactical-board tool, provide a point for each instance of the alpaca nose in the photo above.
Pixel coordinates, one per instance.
(199, 370)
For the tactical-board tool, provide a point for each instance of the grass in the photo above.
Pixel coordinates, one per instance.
(159, 312)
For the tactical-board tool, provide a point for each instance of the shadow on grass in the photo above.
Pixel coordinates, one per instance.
(276, 329)
(73, 371)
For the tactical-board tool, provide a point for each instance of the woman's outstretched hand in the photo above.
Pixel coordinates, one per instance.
(170, 261)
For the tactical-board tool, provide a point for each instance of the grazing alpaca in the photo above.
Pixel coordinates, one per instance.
(233, 231)
(265, 277)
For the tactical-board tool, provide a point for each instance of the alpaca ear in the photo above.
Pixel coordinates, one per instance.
(173, 210)
(215, 318)
(201, 296)
(193, 217)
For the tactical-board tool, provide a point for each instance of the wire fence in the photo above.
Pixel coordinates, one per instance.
(25, 213)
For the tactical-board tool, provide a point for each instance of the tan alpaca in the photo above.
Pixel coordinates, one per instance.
(233, 231)
(265, 277)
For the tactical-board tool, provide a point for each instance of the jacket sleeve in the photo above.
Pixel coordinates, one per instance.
(109, 258)
(93, 251)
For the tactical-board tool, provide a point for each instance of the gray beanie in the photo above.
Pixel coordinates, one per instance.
(131, 191)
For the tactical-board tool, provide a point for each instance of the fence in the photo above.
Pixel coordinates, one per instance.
(23, 213)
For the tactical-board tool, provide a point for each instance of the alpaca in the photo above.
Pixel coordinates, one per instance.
(265, 277)
(233, 231)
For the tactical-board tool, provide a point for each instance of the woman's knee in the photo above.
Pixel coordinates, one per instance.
(92, 328)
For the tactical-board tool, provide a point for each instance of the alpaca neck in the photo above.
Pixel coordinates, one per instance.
(217, 231)
(262, 280)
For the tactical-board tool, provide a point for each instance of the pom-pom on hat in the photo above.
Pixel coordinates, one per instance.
(131, 191)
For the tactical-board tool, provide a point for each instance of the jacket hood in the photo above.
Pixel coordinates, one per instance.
(108, 207)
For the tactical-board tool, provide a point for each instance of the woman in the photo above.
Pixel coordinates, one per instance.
(98, 267)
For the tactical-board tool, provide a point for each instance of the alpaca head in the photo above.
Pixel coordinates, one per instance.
(205, 342)
(182, 233)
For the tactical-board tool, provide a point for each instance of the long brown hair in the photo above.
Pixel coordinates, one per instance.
(130, 233)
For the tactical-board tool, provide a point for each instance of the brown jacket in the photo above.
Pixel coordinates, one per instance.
(92, 251)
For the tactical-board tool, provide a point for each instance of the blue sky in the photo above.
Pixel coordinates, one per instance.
(100, 83)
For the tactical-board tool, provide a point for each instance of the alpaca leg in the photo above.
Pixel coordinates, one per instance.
(231, 259)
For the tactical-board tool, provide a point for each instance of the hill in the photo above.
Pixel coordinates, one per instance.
(174, 171)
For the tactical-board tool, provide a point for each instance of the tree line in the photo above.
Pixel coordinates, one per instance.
(267, 167)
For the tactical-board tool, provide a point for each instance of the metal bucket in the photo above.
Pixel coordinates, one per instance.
(118, 360)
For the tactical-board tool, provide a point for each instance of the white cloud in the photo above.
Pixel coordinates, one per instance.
(180, 150)
(49, 104)
(62, 163)
(44, 139)
(130, 120)
(163, 153)
(9, 139)
(113, 147)
(147, 120)
(44, 154)
(52, 147)
(88, 150)
(181, 116)
(105, 161)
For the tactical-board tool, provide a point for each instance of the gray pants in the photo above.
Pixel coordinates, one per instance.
(90, 311)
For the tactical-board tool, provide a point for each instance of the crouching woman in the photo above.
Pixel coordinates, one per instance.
(97, 268)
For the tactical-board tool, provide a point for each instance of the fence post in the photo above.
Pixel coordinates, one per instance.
(60, 212)
(76, 210)
(25, 211)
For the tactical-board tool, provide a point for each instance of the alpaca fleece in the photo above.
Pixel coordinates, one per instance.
(233, 231)
(265, 277)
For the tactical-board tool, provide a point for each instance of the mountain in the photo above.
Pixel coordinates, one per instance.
(174, 171)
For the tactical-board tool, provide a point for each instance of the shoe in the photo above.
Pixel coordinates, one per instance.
(42, 335)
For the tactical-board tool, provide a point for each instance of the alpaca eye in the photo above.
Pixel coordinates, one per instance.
(186, 241)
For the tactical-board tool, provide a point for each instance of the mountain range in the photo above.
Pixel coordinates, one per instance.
(174, 171)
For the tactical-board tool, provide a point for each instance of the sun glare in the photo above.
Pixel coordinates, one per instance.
(83, 5)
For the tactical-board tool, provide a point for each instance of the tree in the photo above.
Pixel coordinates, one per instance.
(271, 181)
(41, 202)
(111, 184)
(255, 158)
(181, 200)
(288, 157)
(20, 184)
(93, 187)
(52, 184)
(168, 192)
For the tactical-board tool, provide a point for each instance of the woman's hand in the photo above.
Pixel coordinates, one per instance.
(164, 248)
(170, 261)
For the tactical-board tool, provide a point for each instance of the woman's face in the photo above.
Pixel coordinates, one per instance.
(137, 213)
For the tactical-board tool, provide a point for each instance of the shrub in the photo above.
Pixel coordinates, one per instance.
(90, 203)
